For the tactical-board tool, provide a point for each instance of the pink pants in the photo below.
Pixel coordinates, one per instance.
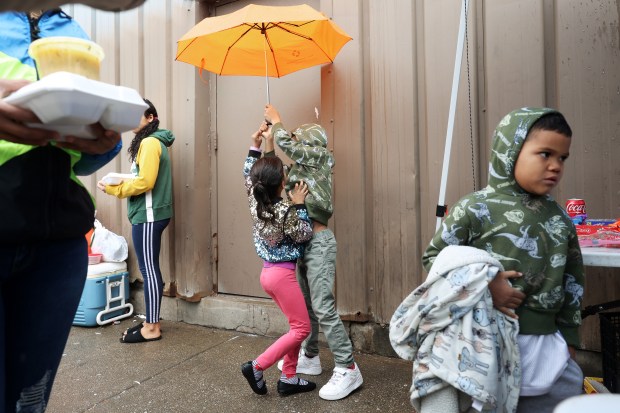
(281, 285)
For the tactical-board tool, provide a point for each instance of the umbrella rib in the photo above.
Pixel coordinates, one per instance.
(233, 45)
(279, 26)
(185, 48)
(275, 62)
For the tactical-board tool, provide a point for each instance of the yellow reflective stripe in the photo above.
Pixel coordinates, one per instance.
(12, 68)
(9, 150)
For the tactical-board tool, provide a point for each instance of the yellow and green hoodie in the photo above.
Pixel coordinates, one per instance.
(41, 198)
(526, 233)
(150, 192)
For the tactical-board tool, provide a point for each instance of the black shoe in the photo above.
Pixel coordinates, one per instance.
(286, 389)
(248, 373)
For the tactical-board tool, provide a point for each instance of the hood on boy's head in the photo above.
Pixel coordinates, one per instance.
(507, 143)
(311, 134)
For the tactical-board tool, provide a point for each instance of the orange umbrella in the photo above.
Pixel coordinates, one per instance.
(262, 41)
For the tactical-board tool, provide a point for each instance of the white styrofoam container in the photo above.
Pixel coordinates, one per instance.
(69, 103)
(114, 178)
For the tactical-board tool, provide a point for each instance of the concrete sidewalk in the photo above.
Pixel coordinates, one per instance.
(197, 369)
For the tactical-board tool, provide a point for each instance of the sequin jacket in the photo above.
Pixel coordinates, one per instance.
(284, 241)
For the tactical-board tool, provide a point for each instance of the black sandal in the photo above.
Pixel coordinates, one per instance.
(136, 336)
(136, 327)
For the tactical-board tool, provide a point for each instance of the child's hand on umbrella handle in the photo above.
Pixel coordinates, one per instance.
(271, 114)
(298, 194)
(265, 129)
(265, 133)
(257, 139)
(264, 126)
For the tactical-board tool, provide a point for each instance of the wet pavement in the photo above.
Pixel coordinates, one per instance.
(197, 369)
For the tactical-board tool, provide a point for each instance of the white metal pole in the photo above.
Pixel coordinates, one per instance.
(455, 90)
(266, 69)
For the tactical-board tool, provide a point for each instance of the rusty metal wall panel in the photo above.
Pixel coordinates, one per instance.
(393, 144)
(240, 102)
(140, 45)
(588, 83)
(440, 33)
(110, 211)
(514, 57)
(342, 91)
(385, 102)
(189, 105)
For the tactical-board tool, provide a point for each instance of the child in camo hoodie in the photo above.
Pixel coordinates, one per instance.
(316, 270)
(517, 221)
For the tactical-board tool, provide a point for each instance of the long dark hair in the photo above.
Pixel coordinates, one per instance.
(146, 131)
(266, 176)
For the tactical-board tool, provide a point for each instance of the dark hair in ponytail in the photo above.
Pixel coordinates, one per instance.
(146, 131)
(266, 176)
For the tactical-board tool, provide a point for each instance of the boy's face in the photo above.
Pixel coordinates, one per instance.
(540, 164)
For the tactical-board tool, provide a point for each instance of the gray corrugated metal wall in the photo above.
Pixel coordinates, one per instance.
(388, 97)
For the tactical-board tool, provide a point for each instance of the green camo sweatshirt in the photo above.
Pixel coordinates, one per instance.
(526, 233)
(313, 165)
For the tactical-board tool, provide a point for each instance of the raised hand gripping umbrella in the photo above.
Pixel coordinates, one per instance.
(268, 41)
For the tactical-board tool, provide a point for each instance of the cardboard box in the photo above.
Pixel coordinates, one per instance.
(588, 229)
(592, 385)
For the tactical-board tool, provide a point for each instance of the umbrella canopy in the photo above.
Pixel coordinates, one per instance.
(262, 41)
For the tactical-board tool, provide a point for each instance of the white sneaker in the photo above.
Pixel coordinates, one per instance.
(342, 383)
(306, 365)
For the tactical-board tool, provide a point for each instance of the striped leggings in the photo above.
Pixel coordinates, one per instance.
(147, 243)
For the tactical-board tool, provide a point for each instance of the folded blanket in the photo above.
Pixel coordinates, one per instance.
(450, 330)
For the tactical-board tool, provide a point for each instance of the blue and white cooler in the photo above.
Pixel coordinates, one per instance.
(105, 296)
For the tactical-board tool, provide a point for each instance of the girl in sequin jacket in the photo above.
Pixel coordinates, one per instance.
(280, 228)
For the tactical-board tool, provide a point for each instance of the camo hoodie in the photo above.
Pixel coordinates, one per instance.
(313, 165)
(526, 233)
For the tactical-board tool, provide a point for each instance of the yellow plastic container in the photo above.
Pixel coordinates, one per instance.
(67, 54)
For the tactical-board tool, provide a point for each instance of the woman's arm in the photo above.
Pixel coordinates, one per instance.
(89, 164)
(148, 161)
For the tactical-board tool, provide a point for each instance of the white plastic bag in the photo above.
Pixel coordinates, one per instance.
(112, 246)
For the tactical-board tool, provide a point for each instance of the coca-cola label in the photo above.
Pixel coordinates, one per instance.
(575, 207)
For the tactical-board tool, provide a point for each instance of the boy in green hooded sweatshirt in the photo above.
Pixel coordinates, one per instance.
(316, 271)
(518, 222)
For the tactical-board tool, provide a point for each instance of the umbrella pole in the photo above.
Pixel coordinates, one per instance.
(266, 69)
(441, 209)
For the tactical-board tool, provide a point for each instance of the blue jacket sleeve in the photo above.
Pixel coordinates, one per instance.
(88, 164)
